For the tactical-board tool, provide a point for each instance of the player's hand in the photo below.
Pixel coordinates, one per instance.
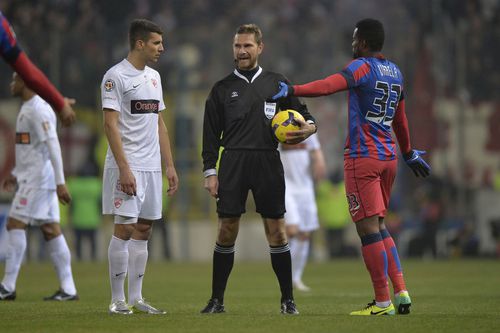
(305, 131)
(173, 181)
(67, 114)
(212, 185)
(284, 90)
(63, 194)
(417, 164)
(128, 184)
(10, 183)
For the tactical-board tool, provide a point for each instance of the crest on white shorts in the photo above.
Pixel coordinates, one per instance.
(118, 202)
(269, 109)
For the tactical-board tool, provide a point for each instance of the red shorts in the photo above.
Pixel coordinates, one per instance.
(368, 184)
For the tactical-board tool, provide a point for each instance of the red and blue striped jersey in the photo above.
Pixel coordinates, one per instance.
(375, 90)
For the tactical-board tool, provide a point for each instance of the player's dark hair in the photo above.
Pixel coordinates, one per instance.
(372, 32)
(140, 29)
(250, 29)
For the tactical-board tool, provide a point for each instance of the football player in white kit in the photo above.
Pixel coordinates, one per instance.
(39, 177)
(303, 163)
(132, 98)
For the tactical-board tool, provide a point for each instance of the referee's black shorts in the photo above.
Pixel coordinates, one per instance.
(258, 170)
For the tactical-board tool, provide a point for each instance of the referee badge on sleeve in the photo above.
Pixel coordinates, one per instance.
(269, 109)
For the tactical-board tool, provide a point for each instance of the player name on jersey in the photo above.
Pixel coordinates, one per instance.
(387, 71)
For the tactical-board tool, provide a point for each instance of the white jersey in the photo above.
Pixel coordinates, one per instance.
(138, 96)
(296, 161)
(36, 123)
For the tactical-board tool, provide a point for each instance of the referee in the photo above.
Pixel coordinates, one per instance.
(238, 114)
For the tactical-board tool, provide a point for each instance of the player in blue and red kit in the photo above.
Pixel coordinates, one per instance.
(376, 101)
(31, 75)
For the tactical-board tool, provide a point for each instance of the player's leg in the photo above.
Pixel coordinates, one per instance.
(308, 222)
(149, 203)
(300, 255)
(138, 257)
(118, 262)
(296, 243)
(61, 258)
(16, 230)
(375, 258)
(223, 261)
(402, 300)
(125, 214)
(394, 269)
(362, 181)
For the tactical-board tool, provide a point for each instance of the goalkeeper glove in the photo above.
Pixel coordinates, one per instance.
(417, 164)
(285, 90)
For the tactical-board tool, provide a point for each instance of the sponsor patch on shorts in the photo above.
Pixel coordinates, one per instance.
(118, 202)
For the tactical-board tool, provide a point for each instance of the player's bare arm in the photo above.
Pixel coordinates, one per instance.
(166, 154)
(63, 194)
(318, 165)
(306, 130)
(127, 178)
(55, 156)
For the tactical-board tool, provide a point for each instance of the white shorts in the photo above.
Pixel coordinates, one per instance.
(35, 206)
(147, 204)
(301, 210)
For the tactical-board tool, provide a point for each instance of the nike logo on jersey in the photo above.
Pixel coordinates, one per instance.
(141, 275)
(136, 85)
(118, 274)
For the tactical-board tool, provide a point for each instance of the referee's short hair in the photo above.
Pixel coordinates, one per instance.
(372, 32)
(250, 28)
(140, 29)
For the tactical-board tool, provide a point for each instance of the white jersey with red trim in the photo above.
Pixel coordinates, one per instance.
(36, 123)
(296, 161)
(138, 96)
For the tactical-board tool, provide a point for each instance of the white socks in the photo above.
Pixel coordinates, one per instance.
(299, 250)
(61, 258)
(138, 257)
(15, 254)
(118, 262)
(127, 257)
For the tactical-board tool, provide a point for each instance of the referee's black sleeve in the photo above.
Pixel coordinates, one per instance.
(212, 130)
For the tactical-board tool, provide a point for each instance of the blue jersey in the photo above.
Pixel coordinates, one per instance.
(375, 89)
(8, 44)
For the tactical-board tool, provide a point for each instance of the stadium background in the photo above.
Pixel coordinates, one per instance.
(446, 49)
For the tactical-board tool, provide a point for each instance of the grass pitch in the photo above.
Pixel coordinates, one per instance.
(448, 296)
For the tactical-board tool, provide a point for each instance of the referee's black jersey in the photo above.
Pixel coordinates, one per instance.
(238, 114)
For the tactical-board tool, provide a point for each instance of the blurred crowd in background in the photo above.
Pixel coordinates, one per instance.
(447, 50)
